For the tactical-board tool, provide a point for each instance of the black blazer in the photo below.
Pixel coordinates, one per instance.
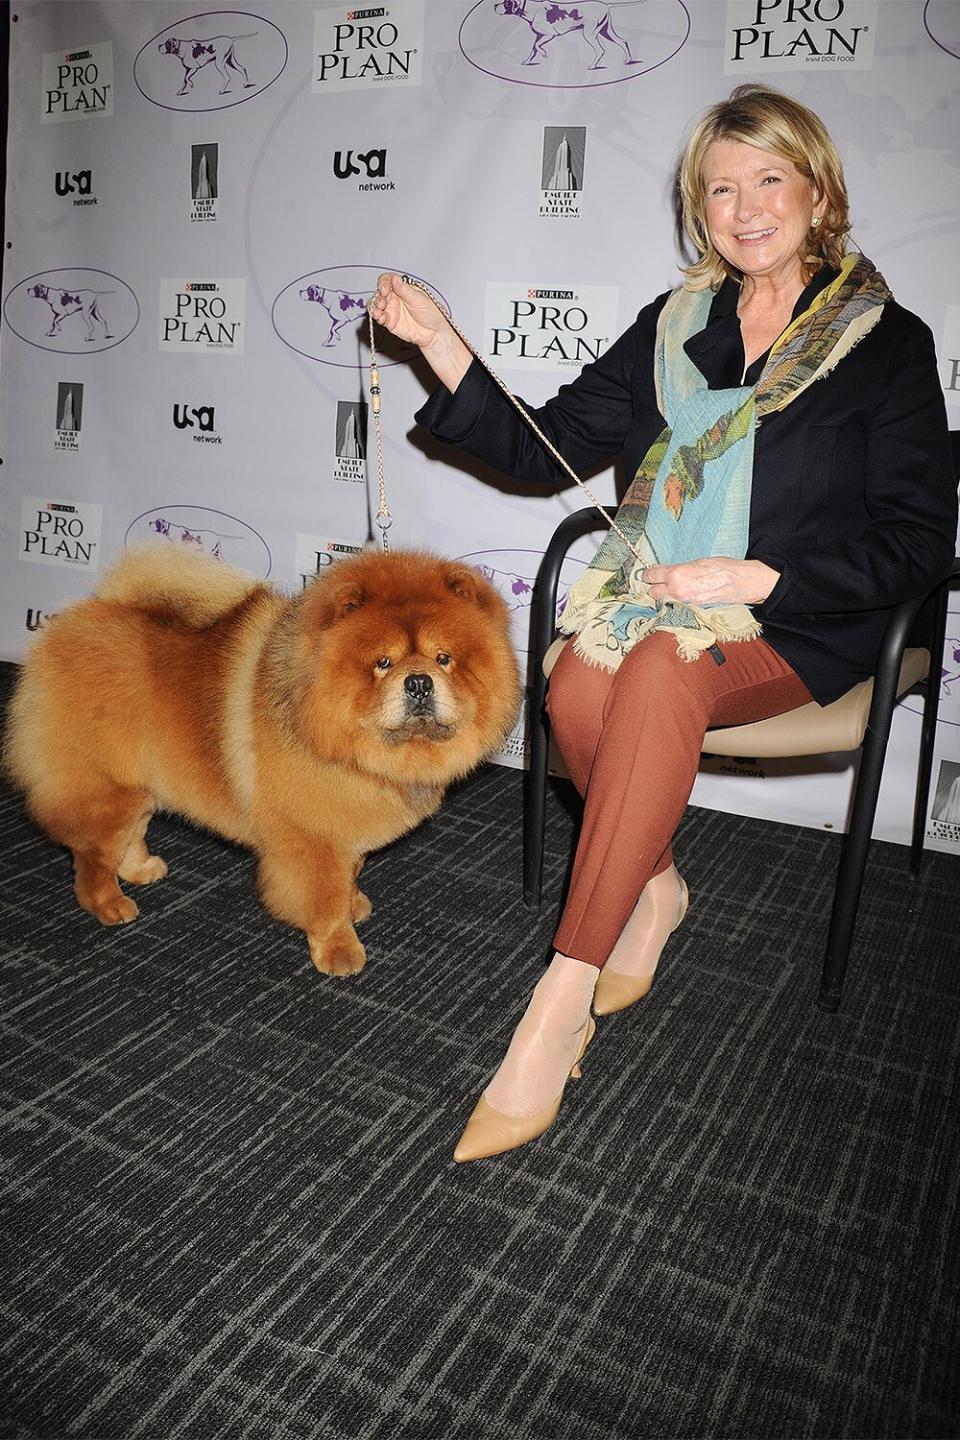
(854, 499)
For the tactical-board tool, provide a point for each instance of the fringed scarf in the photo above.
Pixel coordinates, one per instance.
(690, 498)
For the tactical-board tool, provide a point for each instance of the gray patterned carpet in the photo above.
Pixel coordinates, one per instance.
(231, 1212)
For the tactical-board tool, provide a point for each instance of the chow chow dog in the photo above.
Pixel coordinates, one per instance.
(313, 728)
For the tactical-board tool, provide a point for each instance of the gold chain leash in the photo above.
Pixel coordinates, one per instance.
(384, 519)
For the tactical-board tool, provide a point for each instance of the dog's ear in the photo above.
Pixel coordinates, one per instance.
(464, 582)
(329, 600)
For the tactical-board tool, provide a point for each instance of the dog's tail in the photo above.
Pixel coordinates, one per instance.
(193, 588)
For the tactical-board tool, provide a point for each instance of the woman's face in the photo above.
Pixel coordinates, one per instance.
(758, 210)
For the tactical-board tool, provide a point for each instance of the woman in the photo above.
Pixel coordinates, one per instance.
(785, 365)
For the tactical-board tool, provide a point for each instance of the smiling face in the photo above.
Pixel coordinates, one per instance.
(759, 209)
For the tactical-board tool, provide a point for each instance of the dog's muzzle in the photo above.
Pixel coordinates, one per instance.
(419, 693)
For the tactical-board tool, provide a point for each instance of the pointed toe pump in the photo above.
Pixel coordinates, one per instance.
(488, 1132)
(616, 991)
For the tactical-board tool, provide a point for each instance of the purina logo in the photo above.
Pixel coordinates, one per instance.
(358, 49)
(60, 532)
(941, 20)
(572, 46)
(199, 420)
(769, 36)
(539, 328)
(316, 553)
(78, 84)
(211, 61)
(323, 316)
(374, 163)
(202, 315)
(77, 184)
(209, 532)
(73, 311)
(562, 171)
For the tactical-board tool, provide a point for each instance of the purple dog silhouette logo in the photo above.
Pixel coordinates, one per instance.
(513, 573)
(205, 531)
(323, 316)
(211, 61)
(72, 312)
(570, 44)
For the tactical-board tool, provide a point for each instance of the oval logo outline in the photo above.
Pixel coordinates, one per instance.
(170, 44)
(338, 309)
(89, 311)
(166, 517)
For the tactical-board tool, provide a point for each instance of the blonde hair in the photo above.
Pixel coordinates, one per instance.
(769, 120)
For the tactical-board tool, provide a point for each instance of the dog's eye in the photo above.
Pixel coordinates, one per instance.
(383, 663)
(443, 658)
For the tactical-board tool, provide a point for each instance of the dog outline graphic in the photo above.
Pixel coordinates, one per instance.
(218, 49)
(548, 20)
(349, 305)
(73, 302)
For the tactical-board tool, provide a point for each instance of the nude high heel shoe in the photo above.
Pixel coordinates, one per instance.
(488, 1132)
(614, 991)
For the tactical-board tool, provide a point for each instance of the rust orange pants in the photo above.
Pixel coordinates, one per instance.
(631, 742)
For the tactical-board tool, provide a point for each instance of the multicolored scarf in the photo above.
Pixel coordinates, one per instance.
(690, 498)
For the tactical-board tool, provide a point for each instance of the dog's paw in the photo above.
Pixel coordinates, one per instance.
(147, 873)
(117, 912)
(360, 907)
(338, 954)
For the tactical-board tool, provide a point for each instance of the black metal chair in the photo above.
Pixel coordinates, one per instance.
(861, 719)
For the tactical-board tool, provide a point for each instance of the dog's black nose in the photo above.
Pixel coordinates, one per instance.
(418, 687)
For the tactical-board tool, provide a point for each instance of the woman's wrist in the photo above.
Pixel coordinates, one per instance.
(448, 357)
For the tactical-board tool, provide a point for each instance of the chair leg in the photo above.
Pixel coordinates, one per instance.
(534, 810)
(853, 859)
(928, 733)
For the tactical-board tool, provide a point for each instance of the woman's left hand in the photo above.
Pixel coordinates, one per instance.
(714, 581)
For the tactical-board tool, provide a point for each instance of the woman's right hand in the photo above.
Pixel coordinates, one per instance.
(408, 312)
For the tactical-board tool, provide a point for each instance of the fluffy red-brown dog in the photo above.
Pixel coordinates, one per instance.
(313, 729)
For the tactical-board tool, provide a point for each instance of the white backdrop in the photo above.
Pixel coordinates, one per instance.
(198, 204)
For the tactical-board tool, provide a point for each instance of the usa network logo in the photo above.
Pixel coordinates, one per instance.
(572, 46)
(199, 420)
(211, 61)
(370, 163)
(79, 183)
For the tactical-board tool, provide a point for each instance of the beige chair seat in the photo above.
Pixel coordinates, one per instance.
(809, 730)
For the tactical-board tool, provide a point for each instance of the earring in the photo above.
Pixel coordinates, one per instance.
(815, 222)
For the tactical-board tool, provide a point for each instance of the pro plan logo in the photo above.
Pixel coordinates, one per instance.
(316, 553)
(58, 532)
(323, 315)
(351, 442)
(534, 328)
(572, 44)
(208, 532)
(370, 165)
(941, 19)
(561, 171)
(77, 84)
(765, 36)
(72, 312)
(211, 61)
(202, 315)
(199, 422)
(357, 48)
(78, 184)
(204, 183)
(69, 416)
